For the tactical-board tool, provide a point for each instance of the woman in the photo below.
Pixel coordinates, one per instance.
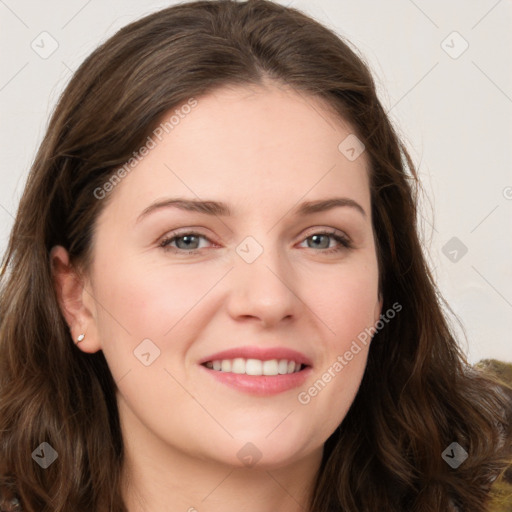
(214, 295)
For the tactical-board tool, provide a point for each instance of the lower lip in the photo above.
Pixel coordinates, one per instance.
(260, 385)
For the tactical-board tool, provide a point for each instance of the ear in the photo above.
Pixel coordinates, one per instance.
(75, 302)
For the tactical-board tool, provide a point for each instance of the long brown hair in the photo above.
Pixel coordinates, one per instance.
(418, 394)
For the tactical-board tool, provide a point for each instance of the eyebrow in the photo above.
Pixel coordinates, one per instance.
(218, 208)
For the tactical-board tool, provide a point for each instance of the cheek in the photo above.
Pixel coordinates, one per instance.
(149, 300)
(347, 303)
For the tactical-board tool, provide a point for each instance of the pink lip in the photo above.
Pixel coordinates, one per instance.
(260, 385)
(262, 353)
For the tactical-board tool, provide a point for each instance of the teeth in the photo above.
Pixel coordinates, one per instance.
(270, 367)
(282, 366)
(255, 366)
(238, 365)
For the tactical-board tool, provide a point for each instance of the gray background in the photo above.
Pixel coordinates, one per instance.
(452, 105)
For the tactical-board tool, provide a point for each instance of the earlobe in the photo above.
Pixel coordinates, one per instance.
(69, 288)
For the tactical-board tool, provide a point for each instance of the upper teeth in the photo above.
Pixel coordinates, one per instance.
(255, 366)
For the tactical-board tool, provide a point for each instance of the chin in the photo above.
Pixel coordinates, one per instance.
(258, 452)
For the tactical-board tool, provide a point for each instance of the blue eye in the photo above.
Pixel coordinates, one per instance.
(343, 241)
(189, 242)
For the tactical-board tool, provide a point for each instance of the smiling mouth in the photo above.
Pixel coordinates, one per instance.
(256, 367)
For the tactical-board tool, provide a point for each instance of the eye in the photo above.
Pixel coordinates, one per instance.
(319, 238)
(188, 241)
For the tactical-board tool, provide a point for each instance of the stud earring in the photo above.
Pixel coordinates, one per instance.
(80, 338)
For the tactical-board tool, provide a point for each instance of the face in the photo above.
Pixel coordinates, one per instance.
(225, 325)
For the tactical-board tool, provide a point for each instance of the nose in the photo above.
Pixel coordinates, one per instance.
(264, 289)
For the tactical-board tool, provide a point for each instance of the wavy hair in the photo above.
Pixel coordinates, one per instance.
(418, 393)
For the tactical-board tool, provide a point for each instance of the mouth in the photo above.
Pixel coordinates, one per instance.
(259, 371)
(255, 367)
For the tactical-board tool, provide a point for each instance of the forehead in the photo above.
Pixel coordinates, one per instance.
(265, 145)
(261, 121)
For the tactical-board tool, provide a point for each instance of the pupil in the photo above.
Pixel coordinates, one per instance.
(187, 239)
(317, 237)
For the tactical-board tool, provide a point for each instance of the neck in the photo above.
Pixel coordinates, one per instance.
(216, 489)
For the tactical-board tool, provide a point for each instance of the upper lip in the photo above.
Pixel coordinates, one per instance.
(262, 353)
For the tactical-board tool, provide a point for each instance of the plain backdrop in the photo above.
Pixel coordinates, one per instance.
(443, 71)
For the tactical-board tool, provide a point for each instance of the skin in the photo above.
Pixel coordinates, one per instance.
(262, 150)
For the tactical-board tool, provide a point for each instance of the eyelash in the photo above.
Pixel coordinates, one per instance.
(344, 242)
